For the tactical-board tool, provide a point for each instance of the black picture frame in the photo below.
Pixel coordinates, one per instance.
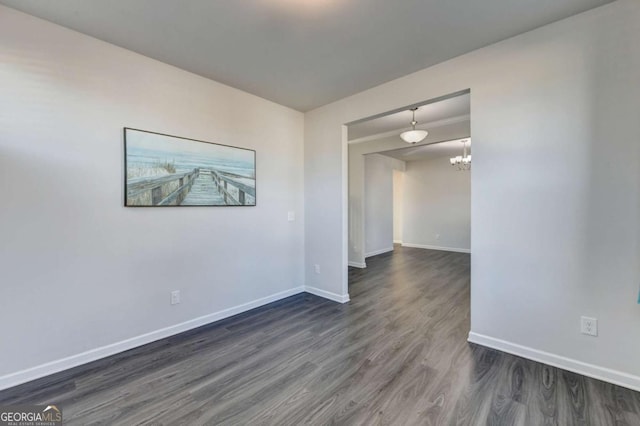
(174, 186)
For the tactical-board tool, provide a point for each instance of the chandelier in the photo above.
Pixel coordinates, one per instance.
(413, 135)
(462, 162)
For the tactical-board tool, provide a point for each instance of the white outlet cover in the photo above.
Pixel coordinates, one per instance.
(589, 326)
(291, 216)
(175, 297)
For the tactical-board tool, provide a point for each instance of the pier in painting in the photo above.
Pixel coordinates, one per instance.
(195, 188)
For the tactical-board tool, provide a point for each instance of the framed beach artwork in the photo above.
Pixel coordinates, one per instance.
(168, 171)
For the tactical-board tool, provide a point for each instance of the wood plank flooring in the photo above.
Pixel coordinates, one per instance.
(395, 355)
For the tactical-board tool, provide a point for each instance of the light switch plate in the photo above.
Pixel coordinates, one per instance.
(175, 297)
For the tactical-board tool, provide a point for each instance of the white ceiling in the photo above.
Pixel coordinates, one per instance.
(434, 113)
(302, 53)
(442, 150)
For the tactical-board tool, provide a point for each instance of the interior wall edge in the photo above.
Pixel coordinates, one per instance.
(340, 298)
(377, 252)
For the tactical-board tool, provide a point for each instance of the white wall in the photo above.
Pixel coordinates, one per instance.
(437, 205)
(378, 195)
(80, 271)
(555, 187)
(398, 201)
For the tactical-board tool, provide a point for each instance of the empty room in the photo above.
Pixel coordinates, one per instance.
(354, 212)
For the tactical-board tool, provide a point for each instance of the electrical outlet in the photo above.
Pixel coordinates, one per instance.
(437, 237)
(175, 297)
(317, 267)
(589, 326)
(291, 216)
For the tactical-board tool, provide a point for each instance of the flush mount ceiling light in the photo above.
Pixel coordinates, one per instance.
(462, 162)
(414, 136)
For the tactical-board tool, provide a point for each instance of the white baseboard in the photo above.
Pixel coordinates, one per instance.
(52, 367)
(397, 241)
(424, 246)
(358, 265)
(377, 252)
(327, 294)
(605, 374)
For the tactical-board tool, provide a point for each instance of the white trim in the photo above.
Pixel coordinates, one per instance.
(345, 211)
(397, 241)
(358, 265)
(39, 371)
(327, 294)
(601, 373)
(428, 247)
(421, 126)
(377, 252)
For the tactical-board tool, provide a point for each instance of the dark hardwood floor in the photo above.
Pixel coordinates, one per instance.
(396, 354)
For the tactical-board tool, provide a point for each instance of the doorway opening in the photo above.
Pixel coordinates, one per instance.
(414, 195)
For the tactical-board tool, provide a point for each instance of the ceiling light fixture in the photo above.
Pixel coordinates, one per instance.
(414, 136)
(462, 162)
